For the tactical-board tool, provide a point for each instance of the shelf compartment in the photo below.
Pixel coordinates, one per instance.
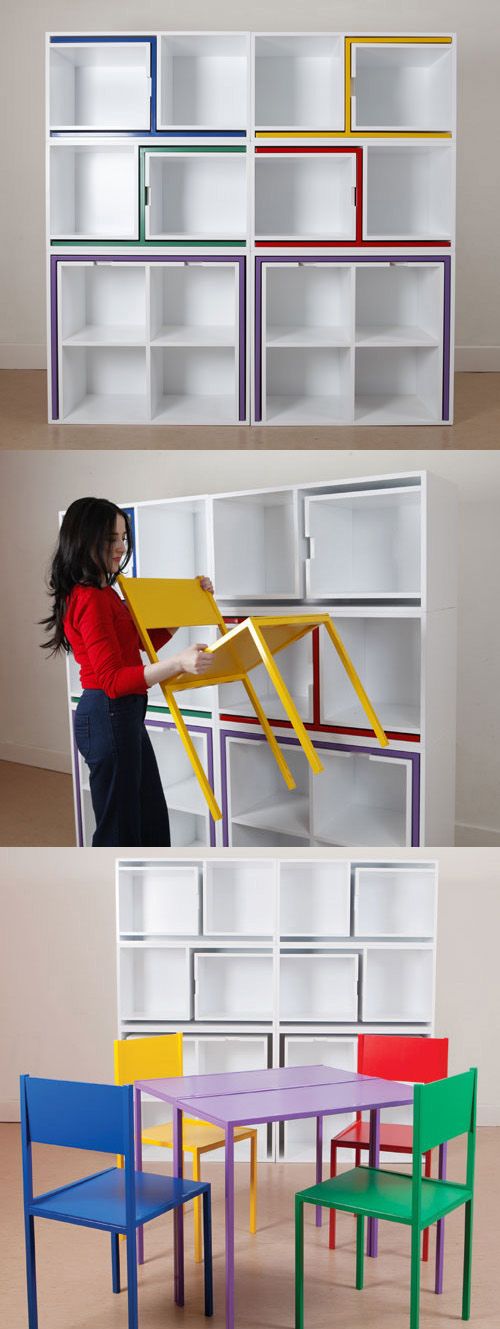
(319, 987)
(305, 194)
(159, 899)
(189, 831)
(364, 544)
(93, 192)
(299, 81)
(194, 304)
(182, 790)
(196, 194)
(203, 81)
(307, 305)
(398, 985)
(239, 898)
(255, 540)
(314, 899)
(194, 384)
(232, 985)
(232, 1053)
(399, 304)
(103, 385)
(401, 385)
(408, 191)
(307, 386)
(203, 701)
(100, 85)
(361, 799)
(296, 667)
(102, 304)
(155, 982)
(401, 86)
(257, 795)
(172, 538)
(300, 1136)
(386, 652)
(395, 901)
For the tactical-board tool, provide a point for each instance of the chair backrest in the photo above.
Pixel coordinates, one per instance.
(403, 1057)
(77, 1116)
(442, 1111)
(162, 602)
(155, 1057)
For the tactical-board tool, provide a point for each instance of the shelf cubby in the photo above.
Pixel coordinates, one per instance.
(195, 194)
(232, 985)
(307, 304)
(310, 385)
(203, 81)
(102, 304)
(102, 383)
(401, 384)
(399, 304)
(194, 384)
(182, 791)
(408, 191)
(386, 650)
(401, 87)
(395, 901)
(100, 85)
(296, 667)
(255, 540)
(93, 192)
(194, 304)
(314, 985)
(299, 81)
(172, 539)
(188, 829)
(258, 797)
(155, 982)
(365, 544)
(398, 985)
(305, 194)
(314, 899)
(200, 700)
(361, 799)
(239, 898)
(159, 899)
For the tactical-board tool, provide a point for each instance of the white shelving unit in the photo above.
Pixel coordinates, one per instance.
(321, 165)
(379, 555)
(275, 961)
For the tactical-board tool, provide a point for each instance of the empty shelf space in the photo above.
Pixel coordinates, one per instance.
(404, 384)
(312, 986)
(305, 196)
(361, 800)
(194, 304)
(299, 81)
(173, 541)
(286, 816)
(155, 982)
(93, 192)
(231, 986)
(314, 899)
(398, 985)
(102, 304)
(395, 901)
(386, 652)
(179, 335)
(194, 384)
(198, 195)
(399, 304)
(159, 900)
(187, 796)
(203, 81)
(408, 191)
(307, 305)
(103, 385)
(296, 667)
(364, 544)
(255, 540)
(100, 85)
(307, 386)
(403, 87)
(239, 898)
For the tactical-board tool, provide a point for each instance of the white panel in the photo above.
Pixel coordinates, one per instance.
(299, 81)
(319, 987)
(255, 545)
(203, 80)
(233, 986)
(155, 983)
(160, 899)
(101, 86)
(239, 898)
(314, 899)
(395, 902)
(365, 545)
(398, 985)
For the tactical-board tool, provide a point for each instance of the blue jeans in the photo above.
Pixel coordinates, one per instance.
(127, 795)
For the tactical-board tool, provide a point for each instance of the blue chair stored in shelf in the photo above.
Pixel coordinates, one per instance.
(101, 1118)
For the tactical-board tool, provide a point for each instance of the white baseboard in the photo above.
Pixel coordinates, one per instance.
(41, 757)
(473, 836)
(477, 359)
(22, 357)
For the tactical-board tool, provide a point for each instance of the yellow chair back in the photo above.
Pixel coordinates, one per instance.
(155, 1058)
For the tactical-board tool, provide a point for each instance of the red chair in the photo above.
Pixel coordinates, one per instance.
(392, 1057)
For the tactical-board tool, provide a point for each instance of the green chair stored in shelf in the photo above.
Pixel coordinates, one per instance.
(442, 1111)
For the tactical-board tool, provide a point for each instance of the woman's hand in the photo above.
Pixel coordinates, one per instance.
(194, 659)
(206, 584)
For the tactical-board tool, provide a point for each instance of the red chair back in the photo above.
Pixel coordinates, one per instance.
(403, 1057)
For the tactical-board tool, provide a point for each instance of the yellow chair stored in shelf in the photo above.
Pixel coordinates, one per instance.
(160, 1057)
(158, 602)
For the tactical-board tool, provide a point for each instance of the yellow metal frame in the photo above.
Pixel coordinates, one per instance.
(155, 602)
(387, 41)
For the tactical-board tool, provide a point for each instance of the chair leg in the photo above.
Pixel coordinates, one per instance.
(299, 1263)
(29, 1225)
(253, 1183)
(333, 1217)
(207, 1247)
(415, 1278)
(198, 1245)
(467, 1275)
(427, 1173)
(360, 1251)
(133, 1305)
(115, 1261)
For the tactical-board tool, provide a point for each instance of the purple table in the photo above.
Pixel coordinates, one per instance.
(242, 1098)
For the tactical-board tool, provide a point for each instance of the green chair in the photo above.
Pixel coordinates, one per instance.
(442, 1111)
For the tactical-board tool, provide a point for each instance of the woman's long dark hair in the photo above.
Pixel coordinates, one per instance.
(81, 559)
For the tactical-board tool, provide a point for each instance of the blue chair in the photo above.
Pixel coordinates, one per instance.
(101, 1118)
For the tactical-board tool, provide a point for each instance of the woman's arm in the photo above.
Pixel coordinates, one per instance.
(193, 660)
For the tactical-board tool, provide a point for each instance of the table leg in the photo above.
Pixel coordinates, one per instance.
(319, 1165)
(229, 1178)
(438, 1286)
(373, 1159)
(178, 1212)
(138, 1162)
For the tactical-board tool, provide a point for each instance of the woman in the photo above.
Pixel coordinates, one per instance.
(89, 618)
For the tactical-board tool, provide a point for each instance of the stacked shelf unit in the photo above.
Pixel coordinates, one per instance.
(275, 962)
(378, 554)
(251, 228)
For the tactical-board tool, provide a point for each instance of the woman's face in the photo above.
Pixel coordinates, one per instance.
(117, 545)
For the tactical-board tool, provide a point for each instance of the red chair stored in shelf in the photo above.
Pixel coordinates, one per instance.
(392, 1057)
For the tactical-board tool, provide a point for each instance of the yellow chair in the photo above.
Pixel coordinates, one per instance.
(160, 1057)
(159, 602)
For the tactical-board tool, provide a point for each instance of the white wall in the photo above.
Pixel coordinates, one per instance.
(33, 715)
(58, 965)
(22, 318)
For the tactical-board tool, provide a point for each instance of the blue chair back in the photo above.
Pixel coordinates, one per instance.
(78, 1116)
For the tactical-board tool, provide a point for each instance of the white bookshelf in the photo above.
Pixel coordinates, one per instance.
(275, 961)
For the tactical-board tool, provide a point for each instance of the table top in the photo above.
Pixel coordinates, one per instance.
(252, 1097)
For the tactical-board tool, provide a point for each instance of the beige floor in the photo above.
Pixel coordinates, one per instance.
(74, 1286)
(36, 806)
(23, 415)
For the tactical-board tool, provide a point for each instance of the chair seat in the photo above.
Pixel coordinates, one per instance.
(397, 1138)
(387, 1195)
(99, 1200)
(195, 1135)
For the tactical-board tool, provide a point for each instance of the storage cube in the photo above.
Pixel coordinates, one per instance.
(401, 86)
(102, 304)
(103, 384)
(314, 899)
(404, 384)
(255, 546)
(233, 1053)
(173, 538)
(364, 544)
(239, 898)
(408, 191)
(203, 81)
(181, 787)
(296, 667)
(194, 385)
(307, 386)
(399, 304)
(398, 985)
(299, 81)
(198, 195)
(194, 304)
(319, 987)
(155, 982)
(258, 797)
(307, 304)
(188, 830)
(200, 700)
(305, 195)
(395, 901)
(362, 800)
(300, 1136)
(233, 985)
(159, 899)
(386, 652)
(93, 192)
(100, 85)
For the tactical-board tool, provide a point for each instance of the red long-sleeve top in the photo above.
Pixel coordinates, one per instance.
(105, 641)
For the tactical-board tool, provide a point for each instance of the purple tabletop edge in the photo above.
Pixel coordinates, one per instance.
(243, 1082)
(287, 1104)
